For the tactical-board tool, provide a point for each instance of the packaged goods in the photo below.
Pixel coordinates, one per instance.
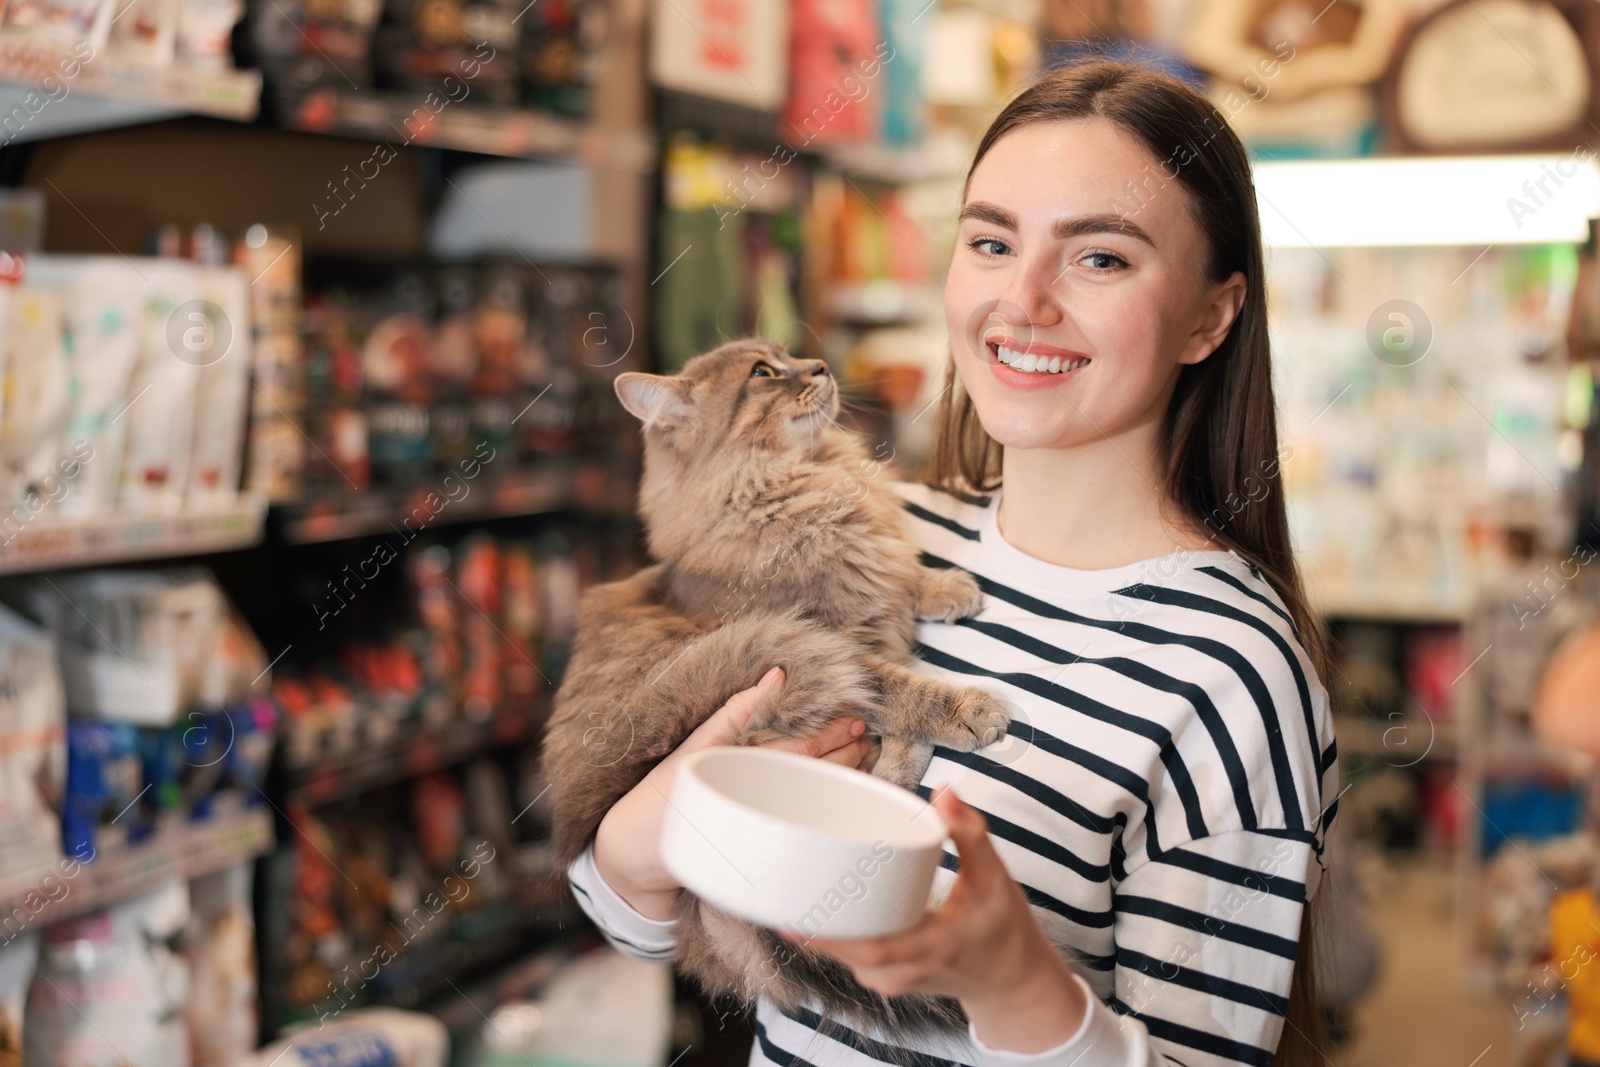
(105, 308)
(144, 33)
(222, 961)
(135, 646)
(32, 755)
(221, 393)
(19, 954)
(176, 336)
(110, 988)
(34, 405)
(372, 1037)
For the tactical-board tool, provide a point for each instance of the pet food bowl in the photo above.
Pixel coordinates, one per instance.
(801, 844)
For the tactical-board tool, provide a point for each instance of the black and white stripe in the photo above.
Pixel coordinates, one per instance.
(1162, 798)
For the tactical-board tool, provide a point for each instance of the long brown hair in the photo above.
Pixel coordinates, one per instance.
(1220, 433)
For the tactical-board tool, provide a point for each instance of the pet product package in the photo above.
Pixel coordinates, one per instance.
(144, 33)
(135, 646)
(110, 988)
(32, 755)
(104, 309)
(35, 394)
(222, 959)
(18, 957)
(370, 1037)
(222, 390)
(602, 1009)
(177, 334)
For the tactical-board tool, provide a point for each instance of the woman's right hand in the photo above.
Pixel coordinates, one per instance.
(627, 846)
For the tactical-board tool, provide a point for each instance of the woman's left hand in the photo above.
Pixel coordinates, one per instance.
(982, 946)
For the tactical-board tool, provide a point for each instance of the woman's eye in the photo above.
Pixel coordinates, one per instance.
(1105, 261)
(988, 246)
(762, 370)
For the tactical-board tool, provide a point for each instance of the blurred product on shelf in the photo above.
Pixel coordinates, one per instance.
(19, 954)
(147, 646)
(373, 1035)
(561, 50)
(118, 972)
(306, 44)
(452, 378)
(486, 625)
(271, 259)
(458, 48)
(600, 1009)
(32, 758)
(121, 394)
(221, 948)
(390, 894)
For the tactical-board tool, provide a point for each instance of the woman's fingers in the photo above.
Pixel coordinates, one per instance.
(721, 726)
(980, 863)
(839, 734)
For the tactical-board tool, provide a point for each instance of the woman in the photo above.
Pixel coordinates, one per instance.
(1170, 776)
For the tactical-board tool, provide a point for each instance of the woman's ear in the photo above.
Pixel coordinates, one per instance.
(653, 398)
(1216, 319)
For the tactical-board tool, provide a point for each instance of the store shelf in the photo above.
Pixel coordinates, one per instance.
(229, 94)
(352, 764)
(175, 850)
(1420, 613)
(586, 485)
(43, 545)
(929, 160)
(403, 119)
(1404, 741)
(885, 302)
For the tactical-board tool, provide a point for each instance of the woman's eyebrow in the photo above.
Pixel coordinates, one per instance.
(1079, 225)
(1076, 226)
(991, 213)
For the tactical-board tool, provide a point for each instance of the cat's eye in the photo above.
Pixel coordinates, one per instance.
(763, 370)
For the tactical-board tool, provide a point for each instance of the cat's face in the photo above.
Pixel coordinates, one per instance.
(748, 395)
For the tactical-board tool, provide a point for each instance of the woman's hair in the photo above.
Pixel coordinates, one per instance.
(1220, 433)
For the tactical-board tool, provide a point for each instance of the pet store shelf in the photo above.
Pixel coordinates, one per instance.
(174, 850)
(1403, 741)
(229, 94)
(885, 302)
(336, 766)
(587, 485)
(40, 544)
(931, 159)
(406, 119)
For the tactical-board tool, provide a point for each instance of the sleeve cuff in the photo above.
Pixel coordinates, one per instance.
(623, 925)
(1103, 1039)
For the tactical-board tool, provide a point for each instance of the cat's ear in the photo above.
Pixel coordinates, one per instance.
(653, 398)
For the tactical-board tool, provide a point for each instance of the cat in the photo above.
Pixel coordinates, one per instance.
(776, 545)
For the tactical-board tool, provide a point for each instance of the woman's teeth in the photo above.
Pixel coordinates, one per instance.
(1028, 362)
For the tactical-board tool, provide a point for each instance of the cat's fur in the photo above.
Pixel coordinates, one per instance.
(778, 545)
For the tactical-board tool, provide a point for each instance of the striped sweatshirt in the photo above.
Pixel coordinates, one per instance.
(1163, 798)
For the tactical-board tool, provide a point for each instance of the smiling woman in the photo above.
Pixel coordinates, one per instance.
(1161, 804)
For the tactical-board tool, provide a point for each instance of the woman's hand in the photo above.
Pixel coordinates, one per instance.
(982, 946)
(627, 846)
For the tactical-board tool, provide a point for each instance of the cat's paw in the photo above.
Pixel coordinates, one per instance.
(948, 595)
(977, 719)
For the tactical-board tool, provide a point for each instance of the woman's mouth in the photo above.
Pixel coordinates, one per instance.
(1037, 359)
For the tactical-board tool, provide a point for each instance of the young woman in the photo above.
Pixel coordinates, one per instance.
(1169, 780)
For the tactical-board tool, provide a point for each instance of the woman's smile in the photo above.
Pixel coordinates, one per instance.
(1033, 365)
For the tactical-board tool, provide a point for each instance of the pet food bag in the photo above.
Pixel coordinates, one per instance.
(32, 755)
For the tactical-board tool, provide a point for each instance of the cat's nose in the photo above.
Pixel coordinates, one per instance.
(819, 369)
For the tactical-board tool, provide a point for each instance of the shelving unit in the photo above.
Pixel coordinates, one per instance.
(228, 94)
(43, 544)
(174, 850)
(553, 488)
(495, 131)
(356, 764)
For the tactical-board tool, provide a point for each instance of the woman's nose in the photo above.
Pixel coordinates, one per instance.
(1030, 296)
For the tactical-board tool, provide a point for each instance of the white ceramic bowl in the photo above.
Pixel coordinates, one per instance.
(801, 844)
